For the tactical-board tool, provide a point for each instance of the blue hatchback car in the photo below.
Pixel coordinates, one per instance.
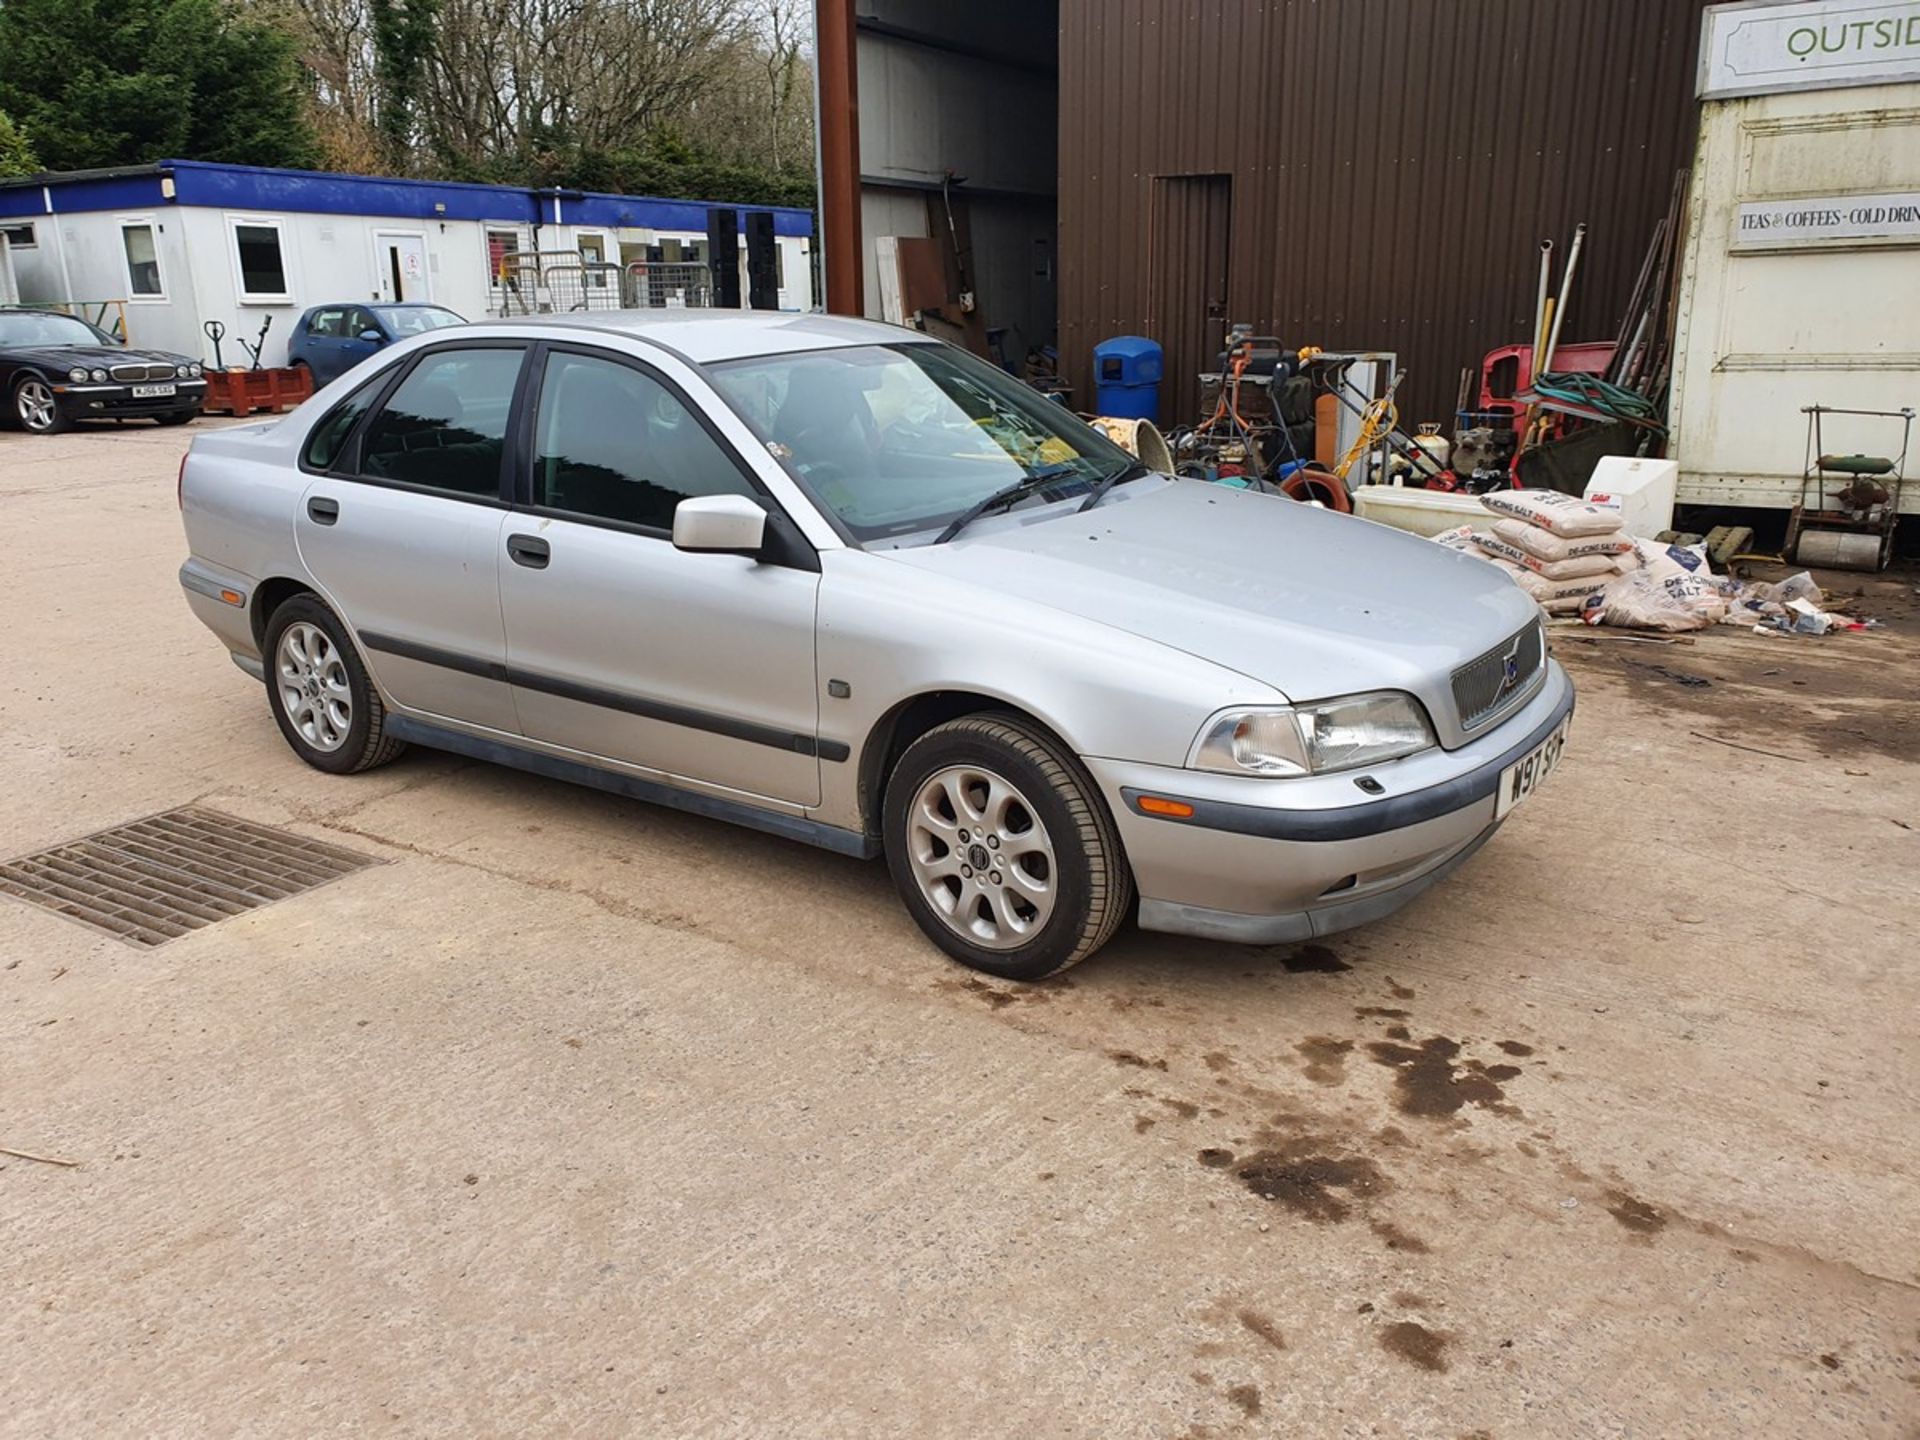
(331, 339)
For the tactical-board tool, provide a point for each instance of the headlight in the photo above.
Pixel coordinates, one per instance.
(77, 374)
(1301, 739)
(182, 371)
(195, 369)
(98, 376)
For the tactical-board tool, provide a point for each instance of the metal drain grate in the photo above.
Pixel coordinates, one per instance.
(155, 879)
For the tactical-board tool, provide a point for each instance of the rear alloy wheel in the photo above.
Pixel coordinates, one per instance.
(322, 698)
(1001, 849)
(36, 408)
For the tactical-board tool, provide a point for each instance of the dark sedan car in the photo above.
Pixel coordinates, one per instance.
(331, 339)
(55, 370)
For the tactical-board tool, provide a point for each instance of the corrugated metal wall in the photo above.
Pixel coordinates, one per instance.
(1395, 164)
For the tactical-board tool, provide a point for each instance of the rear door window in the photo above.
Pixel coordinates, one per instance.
(326, 324)
(445, 425)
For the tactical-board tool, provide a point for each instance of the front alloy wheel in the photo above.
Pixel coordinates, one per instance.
(36, 407)
(1002, 849)
(983, 860)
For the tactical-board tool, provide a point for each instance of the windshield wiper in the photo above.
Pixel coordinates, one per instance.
(1132, 470)
(1006, 495)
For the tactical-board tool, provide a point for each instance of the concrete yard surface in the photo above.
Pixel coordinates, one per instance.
(573, 1115)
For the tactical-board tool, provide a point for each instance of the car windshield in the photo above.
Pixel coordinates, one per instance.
(35, 327)
(416, 319)
(898, 439)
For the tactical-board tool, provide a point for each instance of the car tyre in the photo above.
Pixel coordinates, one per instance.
(34, 408)
(322, 698)
(1002, 849)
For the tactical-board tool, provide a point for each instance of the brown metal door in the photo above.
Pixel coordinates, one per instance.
(1188, 311)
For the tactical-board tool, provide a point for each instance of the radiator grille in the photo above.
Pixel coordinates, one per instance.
(142, 372)
(1486, 688)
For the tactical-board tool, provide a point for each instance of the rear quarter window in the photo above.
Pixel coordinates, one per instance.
(327, 444)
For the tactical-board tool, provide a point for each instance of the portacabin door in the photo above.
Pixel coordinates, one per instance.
(401, 257)
(401, 526)
(699, 666)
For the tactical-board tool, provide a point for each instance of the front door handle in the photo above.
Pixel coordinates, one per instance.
(323, 511)
(529, 550)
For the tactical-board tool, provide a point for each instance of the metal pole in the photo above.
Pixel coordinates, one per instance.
(1560, 309)
(1539, 337)
(837, 126)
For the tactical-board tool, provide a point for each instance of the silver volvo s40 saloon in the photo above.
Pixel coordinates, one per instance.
(834, 580)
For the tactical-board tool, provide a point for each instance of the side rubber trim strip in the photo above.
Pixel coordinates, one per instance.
(791, 827)
(747, 730)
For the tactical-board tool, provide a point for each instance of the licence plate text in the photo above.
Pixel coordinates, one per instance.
(1523, 777)
(152, 392)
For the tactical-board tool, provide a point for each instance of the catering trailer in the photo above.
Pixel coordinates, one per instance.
(1801, 280)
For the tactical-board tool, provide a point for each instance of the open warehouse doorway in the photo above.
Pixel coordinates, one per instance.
(955, 150)
(1378, 176)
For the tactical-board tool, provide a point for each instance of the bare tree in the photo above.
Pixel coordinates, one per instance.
(506, 85)
(336, 50)
(508, 76)
(760, 111)
(781, 62)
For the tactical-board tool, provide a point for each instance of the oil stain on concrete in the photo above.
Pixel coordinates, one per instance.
(1303, 1177)
(1325, 1058)
(1416, 1344)
(1428, 1083)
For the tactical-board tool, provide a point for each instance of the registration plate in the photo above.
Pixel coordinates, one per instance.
(153, 392)
(1523, 777)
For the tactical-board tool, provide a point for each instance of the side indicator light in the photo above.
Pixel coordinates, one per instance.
(232, 597)
(1171, 809)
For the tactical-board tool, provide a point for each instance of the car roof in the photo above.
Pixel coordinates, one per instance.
(378, 305)
(707, 336)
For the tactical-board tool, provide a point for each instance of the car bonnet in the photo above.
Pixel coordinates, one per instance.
(1312, 603)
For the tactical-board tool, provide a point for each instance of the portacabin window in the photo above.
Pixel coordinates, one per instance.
(19, 237)
(260, 259)
(139, 240)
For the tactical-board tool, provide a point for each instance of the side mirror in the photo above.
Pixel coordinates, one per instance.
(720, 524)
(374, 335)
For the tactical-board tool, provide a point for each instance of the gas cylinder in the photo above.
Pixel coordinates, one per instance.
(1435, 444)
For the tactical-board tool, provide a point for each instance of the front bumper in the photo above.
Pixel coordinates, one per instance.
(114, 401)
(1271, 861)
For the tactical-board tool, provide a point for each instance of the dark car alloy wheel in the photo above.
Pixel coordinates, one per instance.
(36, 408)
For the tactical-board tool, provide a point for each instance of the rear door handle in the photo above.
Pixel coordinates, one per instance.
(529, 550)
(323, 511)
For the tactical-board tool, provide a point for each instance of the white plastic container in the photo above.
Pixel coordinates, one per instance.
(1420, 512)
(1641, 490)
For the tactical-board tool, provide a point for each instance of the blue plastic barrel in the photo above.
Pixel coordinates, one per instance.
(1127, 371)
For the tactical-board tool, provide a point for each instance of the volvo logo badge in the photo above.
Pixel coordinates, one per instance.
(1511, 664)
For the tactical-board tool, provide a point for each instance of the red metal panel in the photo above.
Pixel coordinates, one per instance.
(1394, 164)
